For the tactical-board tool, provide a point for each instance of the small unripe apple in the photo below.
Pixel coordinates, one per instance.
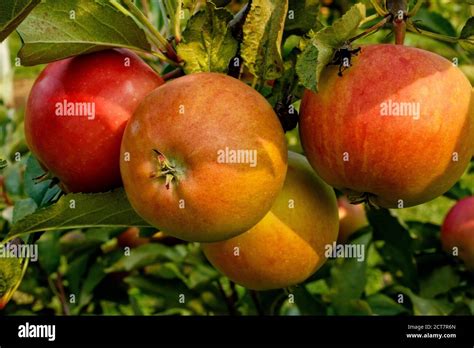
(131, 238)
(351, 218)
(457, 232)
(76, 114)
(288, 245)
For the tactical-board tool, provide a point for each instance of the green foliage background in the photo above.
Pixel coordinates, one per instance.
(82, 270)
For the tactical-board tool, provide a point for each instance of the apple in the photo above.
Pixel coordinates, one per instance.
(396, 130)
(288, 245)
(203, 158)
(457, 231)
(351, 218)
(76, 114)
(131, 238)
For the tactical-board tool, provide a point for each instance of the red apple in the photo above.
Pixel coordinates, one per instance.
(351, 218)
(458, 231)
(396, 130)
(76, 114)
(203, 157)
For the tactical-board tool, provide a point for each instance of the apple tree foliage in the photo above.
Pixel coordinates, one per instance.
(82, 270)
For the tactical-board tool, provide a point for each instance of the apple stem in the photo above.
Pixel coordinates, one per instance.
(398, 10)
(155, 36)
(173, 74)
(165, 169)
(366, 197)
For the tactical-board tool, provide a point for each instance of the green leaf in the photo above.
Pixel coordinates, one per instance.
(440, 281)
(50, 251)
(466, 39)
(95, 275)
(79, 210)
(60, 29)
(395, 246)
(422, 306)
(208, 44)
(322, 46)
(431, 212)
(307, 303)
(10, 277)
(309, 65)
(23, 208)
(40, 192)
(12, 13)
(263, 32)
(142, 256)
(381, 304)
(425, 235)
(435, 22)
(348, 276)
(302, 15)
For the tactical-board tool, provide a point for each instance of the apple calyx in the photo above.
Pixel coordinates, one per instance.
(362, 197)
(165, 169)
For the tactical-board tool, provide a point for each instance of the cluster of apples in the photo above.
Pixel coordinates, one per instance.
(203, 157)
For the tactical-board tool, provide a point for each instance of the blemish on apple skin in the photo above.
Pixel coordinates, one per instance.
(135, 127)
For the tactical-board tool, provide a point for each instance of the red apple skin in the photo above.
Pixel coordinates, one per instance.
(189, 121)
(131, 238)
(396, 161)
(458, 231)
(84, 154)
(351, 218)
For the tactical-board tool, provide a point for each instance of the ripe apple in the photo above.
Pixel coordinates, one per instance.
(458, 231)
(288, 245)
(351, 218)
(203, 157)
(396, 130)
(76, 114)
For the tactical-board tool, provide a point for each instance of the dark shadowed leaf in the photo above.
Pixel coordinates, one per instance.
(12, 13)
(303, 15)
(440, 281)
(466, 39)
(348, 275)
(381, 304)
(396, 247)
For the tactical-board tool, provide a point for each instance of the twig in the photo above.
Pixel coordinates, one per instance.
(5, 196)
(170, 52)
(173, 74)
(228, 300)
(58, 290)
